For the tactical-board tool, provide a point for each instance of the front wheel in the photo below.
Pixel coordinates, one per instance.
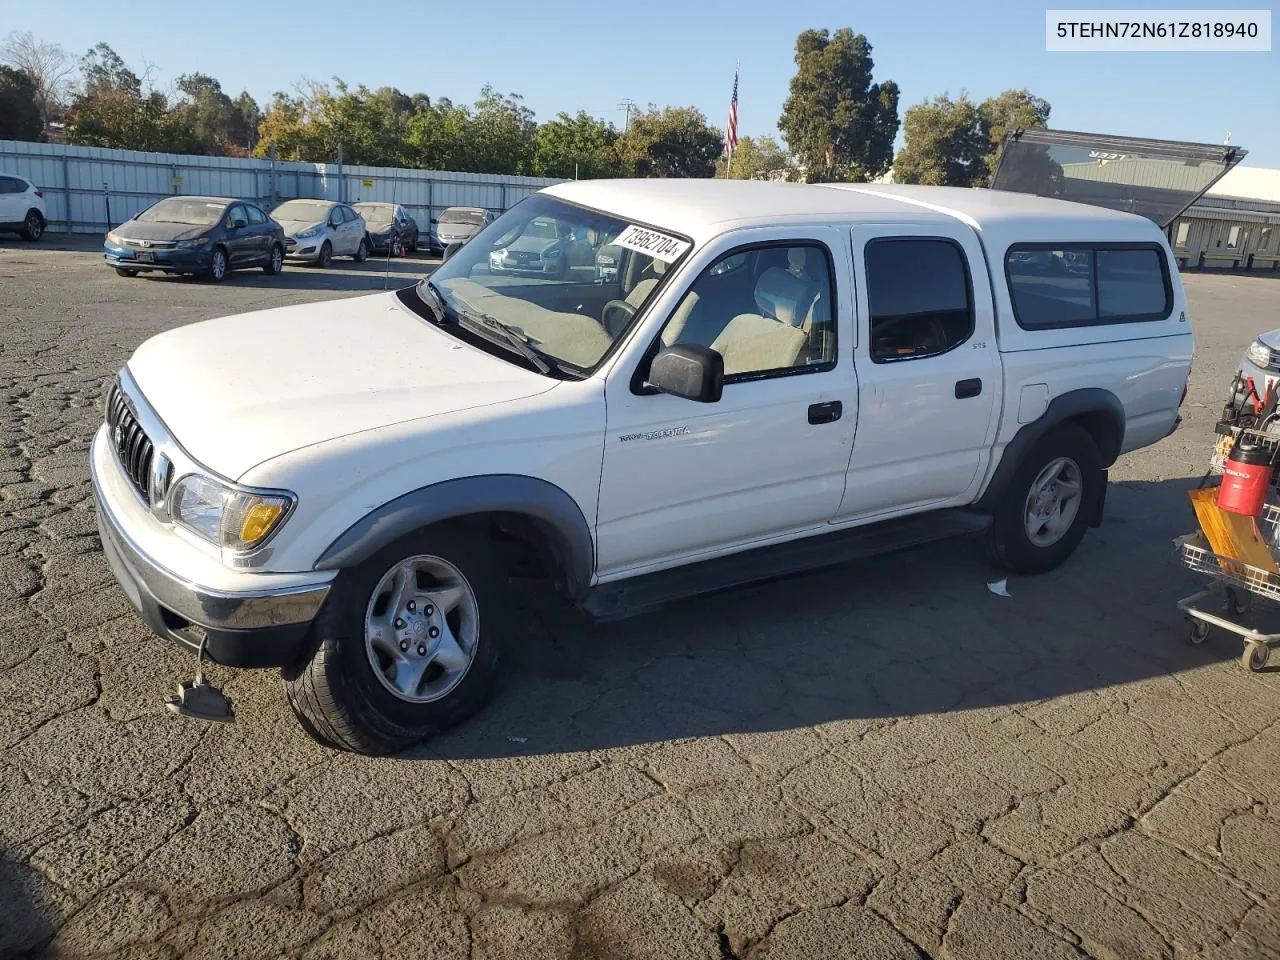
(125, 272)
(406, 646)
(275, 262)
(362, 252)
(1048, 505)
(325, 257)
(217, 271)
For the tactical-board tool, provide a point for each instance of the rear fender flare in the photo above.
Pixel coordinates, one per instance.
(1099, 411)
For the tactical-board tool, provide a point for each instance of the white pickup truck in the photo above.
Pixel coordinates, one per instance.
(775, 378)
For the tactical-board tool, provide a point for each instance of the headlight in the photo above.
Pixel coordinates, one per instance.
(308, 233)
(1260, 354)
(192, 244)
(115, 239)
(226, 517)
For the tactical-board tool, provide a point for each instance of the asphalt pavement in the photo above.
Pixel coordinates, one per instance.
(882, 760)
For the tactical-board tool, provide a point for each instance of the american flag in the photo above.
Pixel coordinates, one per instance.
(731, 127)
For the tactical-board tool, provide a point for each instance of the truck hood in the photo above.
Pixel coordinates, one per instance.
(240, 390)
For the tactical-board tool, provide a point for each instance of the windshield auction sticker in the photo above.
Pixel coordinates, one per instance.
(655, 244)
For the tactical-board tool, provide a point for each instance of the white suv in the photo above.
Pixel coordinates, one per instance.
(777, 377)
(21, 207)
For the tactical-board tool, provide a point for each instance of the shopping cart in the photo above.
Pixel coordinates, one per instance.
(1239, 583)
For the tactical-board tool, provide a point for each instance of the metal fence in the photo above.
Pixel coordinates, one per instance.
(80, 182)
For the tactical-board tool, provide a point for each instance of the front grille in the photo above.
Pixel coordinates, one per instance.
(152, 244)
(133, 447)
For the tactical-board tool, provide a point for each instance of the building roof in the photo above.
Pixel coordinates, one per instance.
(1248, 183)
(702, 208)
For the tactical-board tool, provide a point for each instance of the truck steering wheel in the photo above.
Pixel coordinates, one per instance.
(615, 316)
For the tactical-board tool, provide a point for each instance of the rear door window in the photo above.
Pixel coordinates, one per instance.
(1085, 285)
(920, 296)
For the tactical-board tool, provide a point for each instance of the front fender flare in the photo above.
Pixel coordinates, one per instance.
(557, 512)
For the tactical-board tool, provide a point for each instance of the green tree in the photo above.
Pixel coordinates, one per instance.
(957, 143)
(211, 117)
(19, 107)
(438, 139)
(103, 71)
(501, 131)
(579, 146)
(837, 123)
(671, 142)
(759, 158)
(945, 145)
(1011, 110)
(246, 120)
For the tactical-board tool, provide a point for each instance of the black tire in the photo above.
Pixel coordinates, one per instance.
(32, 226)
(275, 261)
(413, 244)
(219, 266)
(335, 693)
(324, 259)
(362, 252)
(1008, 544)
(125, 272)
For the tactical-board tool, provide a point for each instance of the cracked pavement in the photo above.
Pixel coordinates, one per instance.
(882, 760)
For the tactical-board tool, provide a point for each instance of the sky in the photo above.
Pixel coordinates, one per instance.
(570, 55)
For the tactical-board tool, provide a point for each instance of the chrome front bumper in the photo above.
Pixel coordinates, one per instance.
(249, 619)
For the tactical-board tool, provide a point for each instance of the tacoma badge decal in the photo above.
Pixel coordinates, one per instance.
(654, 434)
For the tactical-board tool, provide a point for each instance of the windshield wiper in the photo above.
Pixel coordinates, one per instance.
(518, 341)
(435, 301)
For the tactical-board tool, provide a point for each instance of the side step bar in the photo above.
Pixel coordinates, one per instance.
(626, 598)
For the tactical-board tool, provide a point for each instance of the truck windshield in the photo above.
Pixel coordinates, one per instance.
(566, 280)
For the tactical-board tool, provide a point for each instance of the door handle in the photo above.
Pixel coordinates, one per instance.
(828, 412)
(968, 388)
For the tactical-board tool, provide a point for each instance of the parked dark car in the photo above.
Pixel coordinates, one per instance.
(389, 226)
(203, 236)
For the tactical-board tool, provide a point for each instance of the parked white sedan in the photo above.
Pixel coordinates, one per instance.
(316, 231)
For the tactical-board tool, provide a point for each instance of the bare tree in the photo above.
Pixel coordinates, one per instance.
(48, 66)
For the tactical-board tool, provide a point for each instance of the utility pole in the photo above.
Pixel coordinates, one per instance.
(627, 105)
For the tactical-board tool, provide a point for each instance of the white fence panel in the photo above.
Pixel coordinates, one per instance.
(80, 182)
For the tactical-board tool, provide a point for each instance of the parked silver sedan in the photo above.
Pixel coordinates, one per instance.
(316, 231)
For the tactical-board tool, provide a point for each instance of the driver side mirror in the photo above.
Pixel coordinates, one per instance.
(449, 251)
(690, 371)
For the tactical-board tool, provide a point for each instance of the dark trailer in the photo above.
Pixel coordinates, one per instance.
(1157, 179)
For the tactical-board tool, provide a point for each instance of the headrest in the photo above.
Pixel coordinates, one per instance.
(778, 295)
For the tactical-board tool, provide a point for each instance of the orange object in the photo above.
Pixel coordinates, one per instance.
(1231, 534)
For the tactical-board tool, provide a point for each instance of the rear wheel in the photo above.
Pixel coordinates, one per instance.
(275, 262)
(125, 272)
(1049, 504)
(33, 226)
(406, 646)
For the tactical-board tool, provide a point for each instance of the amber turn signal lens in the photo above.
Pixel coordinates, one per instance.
(258, 521)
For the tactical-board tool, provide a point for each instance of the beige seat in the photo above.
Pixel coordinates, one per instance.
(773, 338)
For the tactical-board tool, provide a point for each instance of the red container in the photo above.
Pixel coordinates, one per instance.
(1246, 477)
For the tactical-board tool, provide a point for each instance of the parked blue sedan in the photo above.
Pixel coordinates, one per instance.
(202, 236)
